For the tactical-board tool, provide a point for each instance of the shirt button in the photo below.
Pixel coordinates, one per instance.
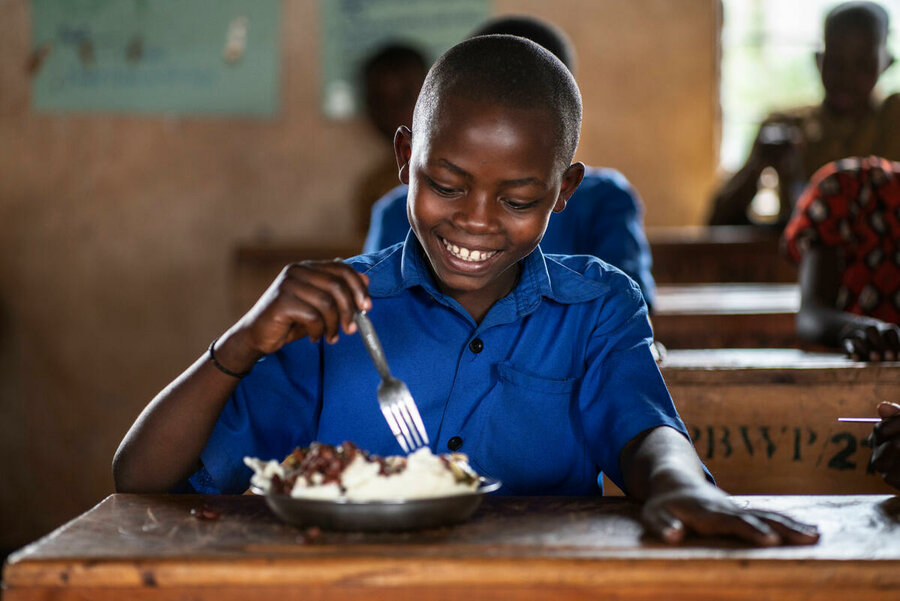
(455, 443)
(476, 346)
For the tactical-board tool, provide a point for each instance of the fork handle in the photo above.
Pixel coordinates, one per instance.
(373, 345)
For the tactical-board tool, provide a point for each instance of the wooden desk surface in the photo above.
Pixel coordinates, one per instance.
(150, 547)
(765, 420)
(726, 315)
(773, 366)
(691, 299)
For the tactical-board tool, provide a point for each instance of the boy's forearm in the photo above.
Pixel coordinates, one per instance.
(163, 446)
(658, 461)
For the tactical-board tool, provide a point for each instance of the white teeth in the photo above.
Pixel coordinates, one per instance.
(468, 255)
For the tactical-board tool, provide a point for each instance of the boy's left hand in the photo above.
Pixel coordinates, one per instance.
(706, 510)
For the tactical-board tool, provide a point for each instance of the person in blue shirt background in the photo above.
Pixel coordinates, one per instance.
(538, 367)
(604, 217)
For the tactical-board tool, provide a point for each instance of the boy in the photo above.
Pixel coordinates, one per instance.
(604, 217)
(539, 368)
(850, 121)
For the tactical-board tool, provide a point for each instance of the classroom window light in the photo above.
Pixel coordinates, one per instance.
(768, 64)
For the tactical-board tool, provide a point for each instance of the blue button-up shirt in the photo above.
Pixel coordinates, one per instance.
(603, 218)
(562, 380)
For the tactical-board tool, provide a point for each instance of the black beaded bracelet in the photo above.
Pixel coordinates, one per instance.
(221, 367)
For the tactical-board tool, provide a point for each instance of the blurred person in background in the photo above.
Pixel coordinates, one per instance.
(851, 120)
(391, 79)
(845, 234)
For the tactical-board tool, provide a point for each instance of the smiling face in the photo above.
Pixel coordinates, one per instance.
(483, 182)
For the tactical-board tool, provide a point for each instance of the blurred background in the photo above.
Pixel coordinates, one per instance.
(142, 142)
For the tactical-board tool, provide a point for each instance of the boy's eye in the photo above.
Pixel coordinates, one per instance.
(443, 191)
(516, 205)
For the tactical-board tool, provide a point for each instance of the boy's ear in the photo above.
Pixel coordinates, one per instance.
(571, 179)
(819, 56)
(403, 151)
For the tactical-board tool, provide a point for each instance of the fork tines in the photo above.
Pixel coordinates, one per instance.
(406, 423)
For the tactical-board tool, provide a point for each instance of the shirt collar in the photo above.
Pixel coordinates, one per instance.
(405, 265)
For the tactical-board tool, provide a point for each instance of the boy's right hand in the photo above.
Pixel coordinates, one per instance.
(312, 298)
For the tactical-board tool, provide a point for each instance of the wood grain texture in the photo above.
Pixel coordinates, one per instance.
(697, 254)
(697, 316)
(765, 420)
(150, 547)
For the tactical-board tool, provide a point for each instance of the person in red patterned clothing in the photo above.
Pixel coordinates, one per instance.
(845, 234)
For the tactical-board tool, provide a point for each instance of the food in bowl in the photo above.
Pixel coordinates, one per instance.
(346, 472)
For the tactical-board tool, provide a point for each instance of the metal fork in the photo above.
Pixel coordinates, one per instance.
(397, 405)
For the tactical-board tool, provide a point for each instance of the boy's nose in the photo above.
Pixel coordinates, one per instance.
(478, 213)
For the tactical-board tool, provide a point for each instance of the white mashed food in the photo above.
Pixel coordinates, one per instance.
(345, 472)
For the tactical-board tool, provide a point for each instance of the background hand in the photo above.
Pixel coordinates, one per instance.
(885, 439)
(778, 145)
(708, 511)
(872, 342)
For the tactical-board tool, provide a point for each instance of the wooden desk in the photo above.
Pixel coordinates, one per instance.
(699, 316)
(703, 254)
(149, 547)
(765, 420)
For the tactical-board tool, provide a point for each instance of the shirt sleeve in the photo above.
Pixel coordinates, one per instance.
(623, 392)
(821, 212)
(273, 410)
(389, 224)
(614, 230)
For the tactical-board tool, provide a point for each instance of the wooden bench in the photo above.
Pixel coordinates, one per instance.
(726, 315)
(718, 254)
(765, 420)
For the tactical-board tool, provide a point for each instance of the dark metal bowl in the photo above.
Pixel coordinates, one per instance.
(370, 516)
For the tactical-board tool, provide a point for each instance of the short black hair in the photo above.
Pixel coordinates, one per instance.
(869, 16)
(509, 71)
(538, 31)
